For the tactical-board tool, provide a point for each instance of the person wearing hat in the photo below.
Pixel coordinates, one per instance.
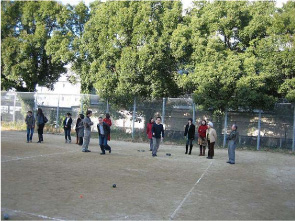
(67, 127)
(233, 139)
(211, 138)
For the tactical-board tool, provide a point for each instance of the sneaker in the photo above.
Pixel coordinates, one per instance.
(70, 141)
(228, 162)
(66, 141)
(231, 163)
(87, 150)
(30, 141)
(39, 141)
(27, 141)
(102, 153)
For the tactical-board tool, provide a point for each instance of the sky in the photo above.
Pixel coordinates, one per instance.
(186, 3)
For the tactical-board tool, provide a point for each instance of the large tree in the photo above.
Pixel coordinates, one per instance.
(126, 50)
(34, 44)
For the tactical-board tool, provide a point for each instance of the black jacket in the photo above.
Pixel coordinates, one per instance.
(68, 124)
(190, 131)
(106, 129)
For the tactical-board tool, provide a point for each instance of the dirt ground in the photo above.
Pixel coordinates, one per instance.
(56, 181)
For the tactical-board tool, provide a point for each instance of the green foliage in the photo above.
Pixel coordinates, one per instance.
(228, 54)
(33, 44)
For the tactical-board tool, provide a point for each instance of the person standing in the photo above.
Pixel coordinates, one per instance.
(80, 129)
(103, 132)
(41, 120)
(202, 137)
(77, 129)
(67, 127)
(189, 133)
(30, 121)
(149, 132)
(158, 135)
(211, 138)
(87, 131)
(108, 121)
(233, 139)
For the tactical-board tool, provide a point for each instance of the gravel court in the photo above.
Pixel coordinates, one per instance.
(60, 182)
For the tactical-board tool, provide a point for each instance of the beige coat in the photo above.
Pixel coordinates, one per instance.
(211, 134)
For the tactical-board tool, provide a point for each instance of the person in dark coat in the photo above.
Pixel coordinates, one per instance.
(67, 127)
(77, 128)
(189, 133)
(80, 129)
(41, 120)
(103, 131)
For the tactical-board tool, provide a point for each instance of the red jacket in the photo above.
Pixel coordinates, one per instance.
(109, 122)
(149, 130)
(202, 130)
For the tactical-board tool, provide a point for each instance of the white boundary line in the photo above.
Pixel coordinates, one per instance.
(31, 214)
(24, 158)
(189, 193)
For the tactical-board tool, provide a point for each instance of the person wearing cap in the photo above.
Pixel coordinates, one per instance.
(233, 139)
(211, 138)
(189, 134)
(67, 127)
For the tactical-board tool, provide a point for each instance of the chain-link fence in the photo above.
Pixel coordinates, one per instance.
(276, 128)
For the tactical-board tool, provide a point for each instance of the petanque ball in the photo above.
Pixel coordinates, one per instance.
(168, 154)
(114, 185)
(6, 216)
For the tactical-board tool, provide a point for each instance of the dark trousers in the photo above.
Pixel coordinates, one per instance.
(40, 131)
(80, 141)
(67, 133)
(211, 149)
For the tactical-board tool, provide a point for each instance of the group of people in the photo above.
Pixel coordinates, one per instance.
(206, 136)
(83, 129)
(155, 132)
(31, 122)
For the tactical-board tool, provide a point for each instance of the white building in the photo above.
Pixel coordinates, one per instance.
(64, 92)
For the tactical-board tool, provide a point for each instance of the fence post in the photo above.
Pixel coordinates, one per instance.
(57, 113)
(194, 113)
(293, 142)
(14, 103)
(133, 117)
(225, 129)
(81, 105)
(163, 110)
(35, 104)
(259, 128)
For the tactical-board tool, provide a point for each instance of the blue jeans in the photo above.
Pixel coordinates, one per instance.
(30, 132)
(151, 144)
(231, 151)
(103, 140)
(68, 134)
